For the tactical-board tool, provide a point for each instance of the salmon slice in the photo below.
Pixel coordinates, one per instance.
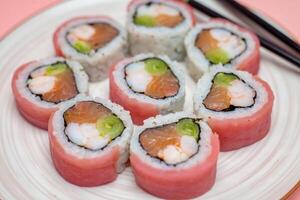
(162, 86)
(154, 140)
(86, 112)
(168, 20)
(64, 88)
(217, 99)
(206, 42)
(104, 33)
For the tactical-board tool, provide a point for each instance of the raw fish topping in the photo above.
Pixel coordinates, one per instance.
(53, 83)
(157, 15)
(87, 38)
(229, 92)
(173, 143)
(91, 125)
(151, 77)
(219, 45)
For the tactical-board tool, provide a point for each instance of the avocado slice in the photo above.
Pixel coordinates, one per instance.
(56, 69)
(224, 79)
(144, 20)
(156, 66)
(110, 125)
(188, 127)
(217, 56)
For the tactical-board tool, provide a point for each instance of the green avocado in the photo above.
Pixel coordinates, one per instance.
(224, 79)
(82, 46)
(144, 20)
(56, 69)
(110, 125)
(156, 66)
(217, 56)
(188, 127)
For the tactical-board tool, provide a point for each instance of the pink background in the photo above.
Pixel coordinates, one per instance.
(284, 12)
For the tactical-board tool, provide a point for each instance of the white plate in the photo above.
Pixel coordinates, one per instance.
(265, 170)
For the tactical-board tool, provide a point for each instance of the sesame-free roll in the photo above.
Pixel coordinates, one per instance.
(174, 156)
(41, 86)
(94, 41)
(159, 27)
(237, 105)
(89, 140)
(147, 85)
(221, 42)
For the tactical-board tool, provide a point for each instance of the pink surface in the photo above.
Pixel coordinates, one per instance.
(286, 13)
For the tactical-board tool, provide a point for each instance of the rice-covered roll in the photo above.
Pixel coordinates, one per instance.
(221, 42)
(89, 140)
(41, 86)
(147, 85)
(237, 105)
(174, 156)
(159, 27)
(94, 41)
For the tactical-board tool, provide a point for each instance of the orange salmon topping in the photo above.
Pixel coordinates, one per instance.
(168, 20)
(64, 88)
(206, 42)
(162, 86)
(104, 33)
(217, 99)
(86, 112)
(154, 140)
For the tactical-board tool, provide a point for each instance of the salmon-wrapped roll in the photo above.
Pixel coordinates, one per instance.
(94, 41)
(221, 42)
(238, 106)
(159, 27)
(147, 85)
(89, 140)
(174, 156)
(41, 86)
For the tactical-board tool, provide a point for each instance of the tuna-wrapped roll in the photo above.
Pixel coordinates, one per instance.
(237, 105)
(89, 140)
(41, 86)
(221, 42)
(94, 41)
(147, 85)
(174, 156)
(159, 27)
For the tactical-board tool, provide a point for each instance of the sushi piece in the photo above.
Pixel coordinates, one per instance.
(89, 140)
(221, 42)
(94, 41)
(41, 86)
(159, 27)
(147, 85)
(237, 105)
(174, 156)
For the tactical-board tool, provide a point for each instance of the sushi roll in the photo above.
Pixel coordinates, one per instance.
(41, 86)
(221, 42)
(89, 140)
(159, 27)
(147, 85)
(174, 156)
(94, 41)
(237, 105)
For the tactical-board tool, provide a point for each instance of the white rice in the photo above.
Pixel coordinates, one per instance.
(122, 141)
(81, 80)
(158, 40)
(204, 142)
(205, 83)
(166, 105)
(196, 61)
(96, 65)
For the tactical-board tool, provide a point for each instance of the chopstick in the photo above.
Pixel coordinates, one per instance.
(264, 24)
(264, 42)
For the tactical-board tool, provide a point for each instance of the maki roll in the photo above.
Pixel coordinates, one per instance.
(237, 105)
(95, 41)
(174, 156)
(89, 140)
(159, 27)
(221, 42)
(41, 86)
(147, 85)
